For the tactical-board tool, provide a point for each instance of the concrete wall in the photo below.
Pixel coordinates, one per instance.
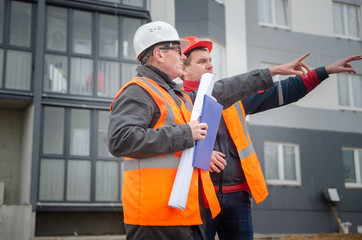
(11, 128)
(16, 218)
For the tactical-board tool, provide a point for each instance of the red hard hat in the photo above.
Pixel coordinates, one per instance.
(196, 42)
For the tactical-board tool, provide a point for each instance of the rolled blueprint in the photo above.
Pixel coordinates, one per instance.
(181, 185)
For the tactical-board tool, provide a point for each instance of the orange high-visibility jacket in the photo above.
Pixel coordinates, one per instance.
(147, 183)
(235, 121)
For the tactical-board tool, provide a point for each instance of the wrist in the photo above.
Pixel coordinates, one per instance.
(274, 71)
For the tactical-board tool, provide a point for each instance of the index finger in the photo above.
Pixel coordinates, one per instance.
(354, 58)
(302, 57)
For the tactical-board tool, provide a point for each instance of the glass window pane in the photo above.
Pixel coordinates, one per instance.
(343, 96)
(81, 76)
(103, 120)
(130, 25)
(53, 135)
(79, 132)
(82, 32)
(353, 23)
(108, 78)
(1, 20)
(20, 28)
(108, 43)
(265, 11)
(271, 161)
(16, 79)
(78, 180)
(1, 67)
(128, 72)
(137, 3)
(289, 163)
(55, 73)
(349, 168)
(357, 91)
(51, 186)
(338, 18)
(57, 29)
(281, 7)
(107, 181)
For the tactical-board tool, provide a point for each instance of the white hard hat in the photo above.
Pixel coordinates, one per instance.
(155, 32)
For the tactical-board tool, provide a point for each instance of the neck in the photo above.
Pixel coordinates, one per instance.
(190, 86)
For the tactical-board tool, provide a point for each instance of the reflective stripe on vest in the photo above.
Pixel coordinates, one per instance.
(148, 182)
(234, 117)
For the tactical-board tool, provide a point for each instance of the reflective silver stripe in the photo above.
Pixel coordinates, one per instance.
(280, 94)
(245, 152)
(170, 117)
(168, 161)
(188, 104)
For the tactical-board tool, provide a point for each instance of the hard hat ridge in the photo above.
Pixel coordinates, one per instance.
(196, 42)
(152, 33)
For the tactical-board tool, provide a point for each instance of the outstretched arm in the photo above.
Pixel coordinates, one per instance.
(343, 65)
(291, 68)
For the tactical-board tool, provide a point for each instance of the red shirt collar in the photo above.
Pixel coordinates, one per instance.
(190, 86)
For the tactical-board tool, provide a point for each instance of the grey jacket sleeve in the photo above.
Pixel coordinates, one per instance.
(230, 90)
(130, 131)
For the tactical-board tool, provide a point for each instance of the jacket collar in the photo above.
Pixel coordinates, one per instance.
(160, 77)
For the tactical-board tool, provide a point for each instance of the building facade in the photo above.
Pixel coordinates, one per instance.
(56, 175)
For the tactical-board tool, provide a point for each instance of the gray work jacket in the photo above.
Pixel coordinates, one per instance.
(134, 113)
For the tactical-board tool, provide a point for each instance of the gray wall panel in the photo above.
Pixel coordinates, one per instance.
(321, 166)
(279, 45)
(204, 18)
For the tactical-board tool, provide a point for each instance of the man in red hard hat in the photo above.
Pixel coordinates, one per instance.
(234, 166)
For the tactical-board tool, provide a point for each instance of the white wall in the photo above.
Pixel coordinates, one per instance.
(312, 17)
(162, 10)
(235, 23)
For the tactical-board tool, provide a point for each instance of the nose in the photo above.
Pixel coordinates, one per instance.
(183, 57)
(209, 65)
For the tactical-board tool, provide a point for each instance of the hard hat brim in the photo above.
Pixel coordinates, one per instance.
(207, 44)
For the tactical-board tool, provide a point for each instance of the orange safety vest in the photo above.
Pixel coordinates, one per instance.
(234, 117)
(147, 183)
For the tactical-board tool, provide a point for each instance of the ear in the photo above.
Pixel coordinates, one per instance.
(158, 55)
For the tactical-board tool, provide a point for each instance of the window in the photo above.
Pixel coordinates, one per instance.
(350, 91)
(352, 162)
(282, 164)
(346, 20)
(15, 45)
(68, 164)
(87, 52)
(273, 13)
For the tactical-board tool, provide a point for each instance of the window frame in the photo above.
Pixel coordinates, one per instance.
(274, 23)
(350, 93)
(281, 181)
(66, 156)
(6, 46)
(346, 21)
(358, 183)
(95, 55)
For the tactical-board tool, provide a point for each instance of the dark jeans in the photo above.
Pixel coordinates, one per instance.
(234, 222)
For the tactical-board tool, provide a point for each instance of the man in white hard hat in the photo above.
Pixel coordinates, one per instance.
(150, 126)
(234, 167)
